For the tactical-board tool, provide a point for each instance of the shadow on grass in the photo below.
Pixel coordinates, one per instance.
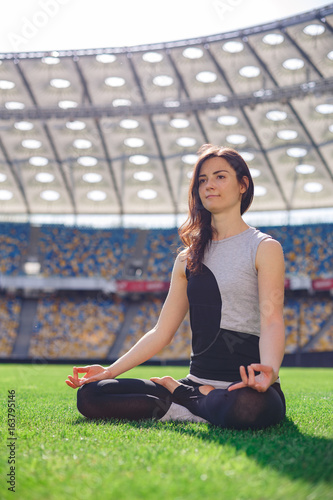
(282, 447)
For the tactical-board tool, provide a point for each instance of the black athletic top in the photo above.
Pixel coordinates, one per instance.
(224, 308)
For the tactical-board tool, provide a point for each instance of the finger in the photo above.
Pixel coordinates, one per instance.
(70, 384)
(155, 379)
(261, 368)
(81, 369)
(76, 382)
(243, 375)
(233, 387)
(251, 380)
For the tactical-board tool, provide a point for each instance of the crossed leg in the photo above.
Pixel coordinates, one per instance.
(243, 408)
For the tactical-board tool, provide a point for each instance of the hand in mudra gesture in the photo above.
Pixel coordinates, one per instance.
(93, 373)
(259, 382)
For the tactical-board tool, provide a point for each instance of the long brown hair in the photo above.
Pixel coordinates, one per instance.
(197, 231)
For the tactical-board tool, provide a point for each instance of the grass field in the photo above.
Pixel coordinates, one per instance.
(61, 455)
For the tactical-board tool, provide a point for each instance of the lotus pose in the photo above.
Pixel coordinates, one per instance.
(231, 278)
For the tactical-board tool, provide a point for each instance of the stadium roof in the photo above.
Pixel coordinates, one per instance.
(116, 130)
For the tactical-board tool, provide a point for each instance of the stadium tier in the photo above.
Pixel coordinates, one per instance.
(102, 325)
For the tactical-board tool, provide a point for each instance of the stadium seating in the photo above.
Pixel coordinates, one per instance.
(160, 251)
(145, 319)
(14, 240)
(67, 251)
(304, 318)
(9, 320)
(76, 328)
(87, 327)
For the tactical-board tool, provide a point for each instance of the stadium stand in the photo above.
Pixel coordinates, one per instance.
(68, 251)
(76, 328)
(68, 325)
(10, 308)
(14, 240)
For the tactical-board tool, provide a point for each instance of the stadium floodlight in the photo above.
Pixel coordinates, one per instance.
(314, 29)
(287, 135)
(134, 142)
(147, 194)
(60, 83)
(190, 159)
(51, 61)
(297, 152)
(23, 126)
(116, 103)
(193, 53)
(260, 191)
(305, 169)
(143, 176)
(246, 155)
(50, 195)
(324, 109)
(31, 144)
(92, 177)
(96, 195)
(115, 81)
(249, 71)
(82, 144)
(3, 177)
(75, 125)
(44, 177)
(106, 58)
(186, 142)
(139, 159)
(273, 38)
(129, 124)
(179, 123)
(276, 115)
(233, 47)
(255, 172)
(38, 161)
(313, 187)
(227, 120)
(236, 139)
(206, 77)
(217, 98)
(5, 195)
(293, 64)
(163, 80)
(66, 104)
(6, 85)
(14, 105)
(87, 161)
(152, 57)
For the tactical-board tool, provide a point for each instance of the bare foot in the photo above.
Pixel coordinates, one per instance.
(168, 382)
(171, 384)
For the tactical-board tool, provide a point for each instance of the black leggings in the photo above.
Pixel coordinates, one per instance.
(136, 399)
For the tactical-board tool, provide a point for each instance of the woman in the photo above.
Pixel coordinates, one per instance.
(231, 277)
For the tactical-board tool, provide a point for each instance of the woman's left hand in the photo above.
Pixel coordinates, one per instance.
(260, 382)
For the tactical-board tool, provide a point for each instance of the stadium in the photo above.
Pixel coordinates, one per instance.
(97, 148)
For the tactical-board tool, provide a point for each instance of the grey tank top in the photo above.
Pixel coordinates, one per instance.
(232, 262)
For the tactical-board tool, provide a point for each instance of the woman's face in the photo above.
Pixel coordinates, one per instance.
(219, 188)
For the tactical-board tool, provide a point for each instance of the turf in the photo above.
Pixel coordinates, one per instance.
(61, 455)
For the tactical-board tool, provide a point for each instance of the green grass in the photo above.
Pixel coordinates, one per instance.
(61, 455)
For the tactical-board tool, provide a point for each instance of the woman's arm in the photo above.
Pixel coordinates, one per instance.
(173, 312)
(270, 266)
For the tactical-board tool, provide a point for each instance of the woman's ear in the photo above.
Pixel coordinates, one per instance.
(244, 184)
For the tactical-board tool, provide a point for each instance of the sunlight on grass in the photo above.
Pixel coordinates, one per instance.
(60, 454)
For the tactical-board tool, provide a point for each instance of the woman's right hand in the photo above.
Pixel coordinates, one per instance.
(93, 373)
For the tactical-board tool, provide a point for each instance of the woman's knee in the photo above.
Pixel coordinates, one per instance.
(250, 409)
(85, 397)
